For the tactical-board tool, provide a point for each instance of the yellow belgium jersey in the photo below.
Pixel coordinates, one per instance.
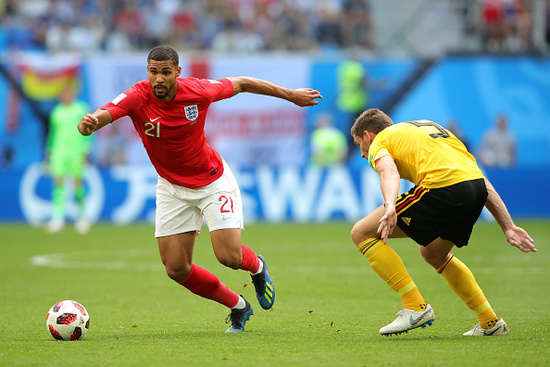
(425, 154)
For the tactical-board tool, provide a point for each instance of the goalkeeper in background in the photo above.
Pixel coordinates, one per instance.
(66, 152)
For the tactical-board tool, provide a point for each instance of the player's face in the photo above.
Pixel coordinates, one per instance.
(363, 142)
(162, 78)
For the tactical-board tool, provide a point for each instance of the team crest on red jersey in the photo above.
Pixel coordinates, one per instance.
(191, 112)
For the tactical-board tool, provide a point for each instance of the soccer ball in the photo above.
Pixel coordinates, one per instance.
(68, 320)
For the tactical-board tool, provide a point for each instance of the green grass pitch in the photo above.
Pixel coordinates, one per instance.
(328, 309)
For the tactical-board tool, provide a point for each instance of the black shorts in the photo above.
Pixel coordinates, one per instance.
(449, 212)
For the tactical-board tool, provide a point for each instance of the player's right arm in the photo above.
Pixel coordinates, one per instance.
(389, 183)
(94, 121)
(515, 235)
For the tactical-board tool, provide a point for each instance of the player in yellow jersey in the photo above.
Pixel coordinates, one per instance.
(438, 213)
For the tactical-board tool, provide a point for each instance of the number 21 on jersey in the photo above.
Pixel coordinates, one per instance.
(152, 130)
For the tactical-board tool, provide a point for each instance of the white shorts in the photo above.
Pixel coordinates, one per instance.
(180, 209)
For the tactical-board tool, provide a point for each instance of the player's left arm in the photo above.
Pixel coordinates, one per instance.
(302, 97)
(389, 183)
(516, 236)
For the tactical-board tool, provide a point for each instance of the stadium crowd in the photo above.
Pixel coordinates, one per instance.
(235, 25)
(218, 25)
(503, 25)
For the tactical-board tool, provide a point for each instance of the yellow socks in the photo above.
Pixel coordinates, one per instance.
(463, 283)
(389, 266)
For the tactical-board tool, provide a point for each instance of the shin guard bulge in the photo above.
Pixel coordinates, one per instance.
(251, 262)
(462, 282)
(389, 266)
(205, 284)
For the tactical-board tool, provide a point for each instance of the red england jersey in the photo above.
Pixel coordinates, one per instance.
(173, 132)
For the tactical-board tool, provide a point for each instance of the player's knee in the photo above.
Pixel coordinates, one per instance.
(358, 235)
(436, 252)
(354, 234)
(435, 260)
(230, 259)
(177, 272)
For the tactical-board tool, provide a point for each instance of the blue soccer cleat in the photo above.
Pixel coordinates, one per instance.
(238, 318)
(265, 291)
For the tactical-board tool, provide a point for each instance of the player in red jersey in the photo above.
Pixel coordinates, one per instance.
(194, 181)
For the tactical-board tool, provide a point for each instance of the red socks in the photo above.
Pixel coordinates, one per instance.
(205, 284)
(251, 262)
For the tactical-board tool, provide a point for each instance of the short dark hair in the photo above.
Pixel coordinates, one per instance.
(164, 53)
(372, 120)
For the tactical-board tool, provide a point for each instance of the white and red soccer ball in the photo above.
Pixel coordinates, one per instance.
(68, 320)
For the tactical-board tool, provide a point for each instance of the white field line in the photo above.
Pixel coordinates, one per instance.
(81, 260)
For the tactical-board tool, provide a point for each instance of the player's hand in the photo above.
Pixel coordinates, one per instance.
(305, 97)
(88, 124)
(519, 238)
(387, 223)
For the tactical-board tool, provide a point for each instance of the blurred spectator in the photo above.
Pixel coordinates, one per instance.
(494, 22)
(328, 144)
(358, 26)
(34, 8)
(234, 40)
(95, 32)
(156, 28)
(498, 145)
(6, 155)
(84, 38)
(130, 20)
(507, 25)
(452, 126)
(169, 6)
(185, 29)
(211, 24)
(118, 41)
(227, 40)
(293, 30)
(250, 40)
(353, 94)
(520, 23)
(58, 38)
(329, 30)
